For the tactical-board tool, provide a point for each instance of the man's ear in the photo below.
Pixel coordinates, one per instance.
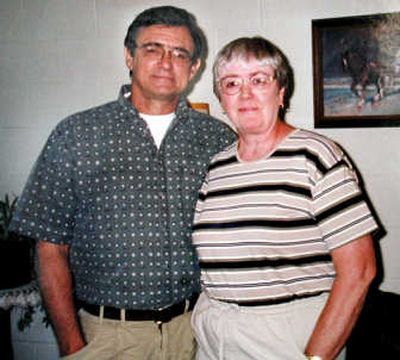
(194, 68)
(128, 58)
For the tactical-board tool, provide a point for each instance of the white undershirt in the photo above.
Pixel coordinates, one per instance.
(158, 125)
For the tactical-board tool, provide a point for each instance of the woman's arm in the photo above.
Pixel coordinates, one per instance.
(355, 269)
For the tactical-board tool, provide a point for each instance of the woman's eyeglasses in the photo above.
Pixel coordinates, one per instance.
(232, 85)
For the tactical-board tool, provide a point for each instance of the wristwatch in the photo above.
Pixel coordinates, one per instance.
(313, 357)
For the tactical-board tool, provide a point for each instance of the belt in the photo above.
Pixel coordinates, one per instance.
(160, 315)
(274, 301)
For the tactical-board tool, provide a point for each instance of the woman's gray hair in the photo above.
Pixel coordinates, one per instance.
(260, 49)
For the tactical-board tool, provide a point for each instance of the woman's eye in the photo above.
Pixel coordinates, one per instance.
(260, 81)
(232, 84)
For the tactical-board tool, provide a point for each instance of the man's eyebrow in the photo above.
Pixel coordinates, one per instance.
(155, 43)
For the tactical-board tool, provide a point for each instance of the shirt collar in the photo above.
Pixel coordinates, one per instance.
(182, 109)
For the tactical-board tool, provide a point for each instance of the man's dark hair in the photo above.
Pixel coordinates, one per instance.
(169, 16)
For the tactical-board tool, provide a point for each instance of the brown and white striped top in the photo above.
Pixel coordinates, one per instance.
(264, 230)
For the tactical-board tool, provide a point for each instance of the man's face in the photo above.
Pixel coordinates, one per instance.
(161, 65)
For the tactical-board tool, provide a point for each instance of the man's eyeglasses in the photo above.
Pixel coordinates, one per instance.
(157, 51)
(258, 82)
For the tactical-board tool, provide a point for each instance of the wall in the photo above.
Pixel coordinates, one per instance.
(61, 56)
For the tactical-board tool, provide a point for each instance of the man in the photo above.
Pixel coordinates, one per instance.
(112, 211)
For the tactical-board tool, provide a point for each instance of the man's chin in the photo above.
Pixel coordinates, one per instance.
(166, 98)
(165, 94)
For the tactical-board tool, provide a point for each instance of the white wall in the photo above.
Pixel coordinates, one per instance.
(61, 56)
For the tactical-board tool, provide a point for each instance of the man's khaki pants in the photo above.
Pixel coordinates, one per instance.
(136, 340)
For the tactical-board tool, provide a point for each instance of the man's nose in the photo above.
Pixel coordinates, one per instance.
(166, 58)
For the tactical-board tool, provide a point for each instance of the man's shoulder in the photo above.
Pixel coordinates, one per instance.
(102, 110)
(95, 114)
(210, 123)
(203, 117)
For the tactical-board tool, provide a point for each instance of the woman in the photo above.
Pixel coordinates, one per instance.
(281, 226)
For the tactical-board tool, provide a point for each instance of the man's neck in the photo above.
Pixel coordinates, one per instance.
(153, 106)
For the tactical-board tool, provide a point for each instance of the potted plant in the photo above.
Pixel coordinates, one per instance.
(16, 252)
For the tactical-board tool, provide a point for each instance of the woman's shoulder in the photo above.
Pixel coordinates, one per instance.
(314, 140)
(227, 153)
(316, 144)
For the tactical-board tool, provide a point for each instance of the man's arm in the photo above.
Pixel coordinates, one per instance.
(355, 268)
(56, 288)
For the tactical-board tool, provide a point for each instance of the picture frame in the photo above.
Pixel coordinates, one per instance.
(356, 71)
(201, 106)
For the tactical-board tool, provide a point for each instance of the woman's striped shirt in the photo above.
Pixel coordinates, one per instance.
(264, 230)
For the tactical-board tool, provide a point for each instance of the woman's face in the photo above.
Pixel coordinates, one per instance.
(254, 103)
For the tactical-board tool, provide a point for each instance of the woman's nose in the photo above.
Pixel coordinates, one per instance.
(246, 89)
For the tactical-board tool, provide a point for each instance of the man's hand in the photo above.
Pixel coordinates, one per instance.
(55, 282)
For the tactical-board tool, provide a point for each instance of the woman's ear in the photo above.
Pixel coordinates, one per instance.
(282, 97)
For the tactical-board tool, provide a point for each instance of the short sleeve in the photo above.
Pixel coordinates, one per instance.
(339, 205)
(45, 209)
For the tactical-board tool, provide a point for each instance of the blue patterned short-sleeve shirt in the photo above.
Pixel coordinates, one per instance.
(123, 206)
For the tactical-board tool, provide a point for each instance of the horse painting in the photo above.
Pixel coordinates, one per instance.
(363, 67)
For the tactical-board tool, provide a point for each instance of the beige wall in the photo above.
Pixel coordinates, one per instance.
(61, 56)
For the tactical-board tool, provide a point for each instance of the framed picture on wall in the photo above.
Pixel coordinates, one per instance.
(200, 106)
(356, 70)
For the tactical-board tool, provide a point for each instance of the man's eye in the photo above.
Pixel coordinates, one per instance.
(179, 54)
(151, 49)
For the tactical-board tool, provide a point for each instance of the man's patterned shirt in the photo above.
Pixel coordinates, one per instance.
(123, 206)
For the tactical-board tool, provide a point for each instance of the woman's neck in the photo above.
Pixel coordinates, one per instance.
(255, 147)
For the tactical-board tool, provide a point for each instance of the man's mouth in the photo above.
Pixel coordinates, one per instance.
(163, 78)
